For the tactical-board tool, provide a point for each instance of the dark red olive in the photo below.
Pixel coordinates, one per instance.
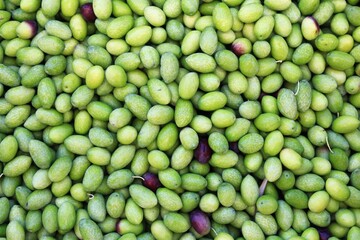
(239, 48)
(203, 152)
(151, 181)
(200, 222)
(118, 226)
(87, 12)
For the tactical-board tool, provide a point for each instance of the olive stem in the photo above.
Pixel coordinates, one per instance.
(328, 145)
(91, 196)
(138, 177)
(263, 186)
(297, 89)
(214, 231)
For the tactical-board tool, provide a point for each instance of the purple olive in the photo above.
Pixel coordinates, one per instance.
(203, 152)
(234, 147)
(33, 25)
(310, 28)
(151, 181)
(27, 29)
(316, 23)
(87, 12)
(324, 233)
(200, 222)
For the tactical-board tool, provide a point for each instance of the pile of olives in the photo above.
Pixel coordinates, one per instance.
(179, 119)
